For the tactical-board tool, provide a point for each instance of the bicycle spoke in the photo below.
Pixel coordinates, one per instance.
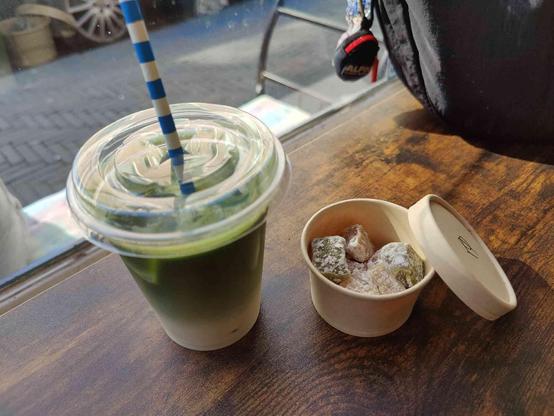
(92, 25)
(85, 17)
(117, 22)
(110, 26)
(102, 27)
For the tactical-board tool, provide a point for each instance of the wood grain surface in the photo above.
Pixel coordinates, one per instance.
(92, 346)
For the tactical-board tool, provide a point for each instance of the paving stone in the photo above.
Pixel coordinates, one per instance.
(58, 120)
(11, 154)
(19, 172)
(62, 152)
(4, 125)
(43, 121)
(43, 152)
(28, 153)
(27, 121)
(71, 119)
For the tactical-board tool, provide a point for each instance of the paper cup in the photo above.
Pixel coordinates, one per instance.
(354, 313)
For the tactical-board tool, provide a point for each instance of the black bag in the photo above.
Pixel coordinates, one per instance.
(486, 67)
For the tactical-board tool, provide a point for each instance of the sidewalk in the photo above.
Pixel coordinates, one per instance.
(51, 110)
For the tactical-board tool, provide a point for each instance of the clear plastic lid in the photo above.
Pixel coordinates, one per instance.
(122, 192)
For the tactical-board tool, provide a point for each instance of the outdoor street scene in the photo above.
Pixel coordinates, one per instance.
(59, 87)
(48, 111)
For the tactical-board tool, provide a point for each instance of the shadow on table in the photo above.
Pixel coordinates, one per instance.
(447, 348)
(423, 121)
(440, 314)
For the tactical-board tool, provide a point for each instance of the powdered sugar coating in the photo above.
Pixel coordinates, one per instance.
(401, 261)
(358, 244)
(361, 281)
(392, 269)
(383, 279)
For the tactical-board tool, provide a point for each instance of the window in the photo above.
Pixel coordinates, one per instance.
(67, 69)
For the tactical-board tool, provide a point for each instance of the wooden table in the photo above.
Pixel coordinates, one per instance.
(92, 346)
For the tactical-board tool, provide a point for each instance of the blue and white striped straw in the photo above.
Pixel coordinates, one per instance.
(145, 55)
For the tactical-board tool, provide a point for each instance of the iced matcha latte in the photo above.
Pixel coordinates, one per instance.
(197, 259)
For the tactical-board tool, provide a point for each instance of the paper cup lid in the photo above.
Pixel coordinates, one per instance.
(461, 258)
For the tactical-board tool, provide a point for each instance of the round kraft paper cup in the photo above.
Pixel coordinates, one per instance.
(354, 313)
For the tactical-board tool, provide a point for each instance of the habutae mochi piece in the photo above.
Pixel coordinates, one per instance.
(329, 257)
(384, 281)
(358, 244)
(361, 280)
(349, 261)
(401, 262)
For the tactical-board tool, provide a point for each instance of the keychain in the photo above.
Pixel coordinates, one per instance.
(356, 54)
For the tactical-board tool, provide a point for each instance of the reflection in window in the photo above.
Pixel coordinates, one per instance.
(67, 69)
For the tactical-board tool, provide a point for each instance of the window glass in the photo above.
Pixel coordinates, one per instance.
(67, 69)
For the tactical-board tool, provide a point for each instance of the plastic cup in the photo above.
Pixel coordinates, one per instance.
(197, 259)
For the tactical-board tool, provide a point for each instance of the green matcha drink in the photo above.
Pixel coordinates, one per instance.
(197, 259)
